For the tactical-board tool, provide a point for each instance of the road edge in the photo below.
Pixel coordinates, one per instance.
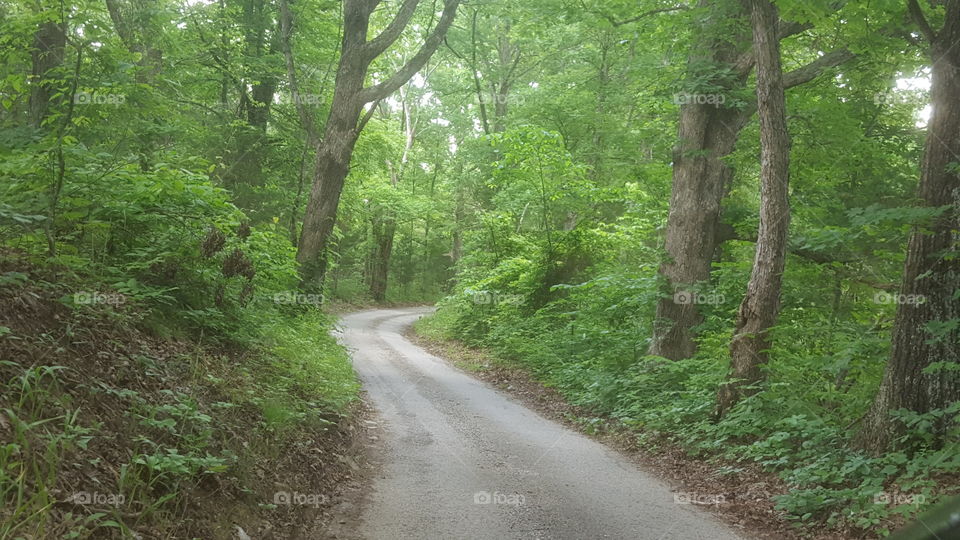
(671, 464)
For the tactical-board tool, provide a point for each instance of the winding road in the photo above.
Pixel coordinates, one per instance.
(461, 460)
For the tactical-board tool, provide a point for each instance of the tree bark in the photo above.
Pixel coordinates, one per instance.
(707, 133)
(508, 57)
(134, 23)
(383, 234)
(250, 143)
(932, 270)
(49, 43)
(304, 112)
(344, 123)
(758, 311)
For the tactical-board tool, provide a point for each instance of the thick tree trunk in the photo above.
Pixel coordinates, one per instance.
(333, 155)
(701, 179)
(383, 234)
(707, 133)
(49, 43)
(330, 172)
(761, 303)
(931, 273)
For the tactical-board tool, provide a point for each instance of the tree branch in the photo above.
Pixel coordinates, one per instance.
(813, 70)
(404, 74)
(725, 233)
(366, 118)
(377, 45)
(744, 64)
(917, 14)
(791, 28)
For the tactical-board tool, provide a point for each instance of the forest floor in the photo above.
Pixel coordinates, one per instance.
(455, 458)
(108, 430)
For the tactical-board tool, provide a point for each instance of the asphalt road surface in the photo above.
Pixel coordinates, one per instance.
(461, 460)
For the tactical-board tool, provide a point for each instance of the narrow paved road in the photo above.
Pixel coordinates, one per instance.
(463, 461)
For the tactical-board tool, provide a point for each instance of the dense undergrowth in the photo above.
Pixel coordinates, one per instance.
(161, 375)
(589, 340)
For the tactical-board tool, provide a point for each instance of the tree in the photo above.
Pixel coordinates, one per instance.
(344, 122)
(136, 27)
(47, 53)
(761, 303)
(708, 131)
(383, 225)
(922, 374)
(256, 86)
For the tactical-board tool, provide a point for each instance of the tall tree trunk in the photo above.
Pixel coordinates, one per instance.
(386, 225)
(932, 269)
(761, 303)
(459, 217)
(250, 142)
(134, 23)
(344, 123)
(508, 57)
(49, 225)
(47, 53)
(484, 122)
(305, 113)
(383, 234)
(707, 134)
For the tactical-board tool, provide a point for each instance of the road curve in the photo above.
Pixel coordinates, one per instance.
(463, 461)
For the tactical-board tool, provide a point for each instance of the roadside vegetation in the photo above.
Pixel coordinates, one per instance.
(589, 343)
(145, 393)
